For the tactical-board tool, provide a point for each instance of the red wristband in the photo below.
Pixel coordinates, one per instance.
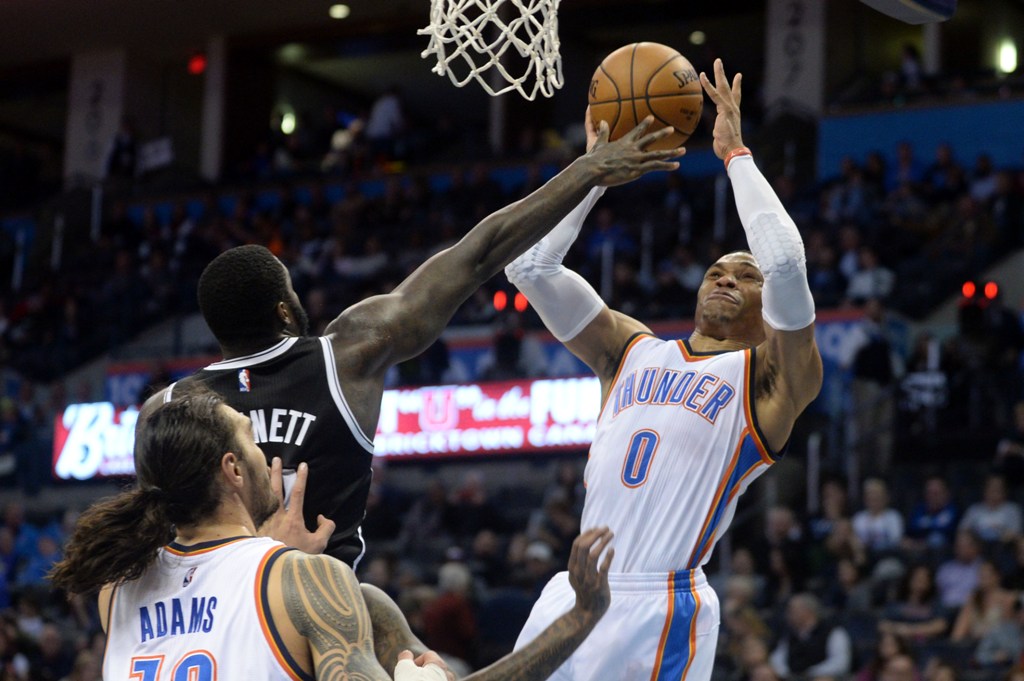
(738, 151)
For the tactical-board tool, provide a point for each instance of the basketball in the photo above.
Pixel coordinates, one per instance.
(641, 79)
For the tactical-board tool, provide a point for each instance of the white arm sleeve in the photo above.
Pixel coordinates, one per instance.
(564, 300)
(787, 304)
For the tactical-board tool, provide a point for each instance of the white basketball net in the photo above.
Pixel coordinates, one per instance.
(471, 34)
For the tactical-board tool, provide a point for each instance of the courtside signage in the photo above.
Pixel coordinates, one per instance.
(488, 418)
(95, 440)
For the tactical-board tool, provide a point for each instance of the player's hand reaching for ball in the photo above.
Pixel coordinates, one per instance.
(588, 573)
(726, 97)
(627, 158)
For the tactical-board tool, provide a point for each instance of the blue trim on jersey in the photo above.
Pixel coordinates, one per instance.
(676, 652)
(269, 618)
(752, 396)
(749, 457)
(202, 546)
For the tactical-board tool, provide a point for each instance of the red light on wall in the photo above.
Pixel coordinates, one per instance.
(991, 290)
(969, 289)
(500, 300)
(521, 302)
(197, 64)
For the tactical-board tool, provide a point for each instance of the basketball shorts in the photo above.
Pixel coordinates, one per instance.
(659, 627)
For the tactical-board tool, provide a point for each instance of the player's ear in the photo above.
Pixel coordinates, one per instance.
(283, 313)
(231, 468)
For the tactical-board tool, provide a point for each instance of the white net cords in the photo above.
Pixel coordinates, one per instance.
(457, 36)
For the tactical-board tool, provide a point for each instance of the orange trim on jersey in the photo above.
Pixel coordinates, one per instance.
(193, 674)
(198, 552)
(748, 410)
(265, 621)
(668, 625)
(139, 675)
(622, 362)
(690, 357)
(714, 503)
(693, 624)
(739, 483)
(110, 623)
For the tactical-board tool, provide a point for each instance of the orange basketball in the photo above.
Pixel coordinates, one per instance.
(643, 79)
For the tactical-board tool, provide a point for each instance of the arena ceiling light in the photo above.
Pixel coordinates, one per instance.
(339, 11)
(1007, 61)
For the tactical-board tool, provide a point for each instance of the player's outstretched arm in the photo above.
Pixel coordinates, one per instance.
(588, 574)
(319, 610)
(568, 305)
(789, 371)
(378, 332)
(391, 632)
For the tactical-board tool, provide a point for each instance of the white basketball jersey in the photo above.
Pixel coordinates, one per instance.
(676, 444)
(199, 614)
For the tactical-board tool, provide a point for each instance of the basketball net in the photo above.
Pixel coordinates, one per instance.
(458, 33)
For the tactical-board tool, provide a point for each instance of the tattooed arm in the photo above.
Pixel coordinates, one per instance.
(391, 632)
(546, 653)
(325, 606)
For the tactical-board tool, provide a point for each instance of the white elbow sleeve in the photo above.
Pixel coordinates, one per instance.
(787, 304)
(564, 300)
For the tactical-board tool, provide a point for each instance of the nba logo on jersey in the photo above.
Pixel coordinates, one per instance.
(188, 577)
(243, 381)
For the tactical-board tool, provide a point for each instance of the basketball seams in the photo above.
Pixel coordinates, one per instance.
(632, 86)
(618, 98)
(647, 90)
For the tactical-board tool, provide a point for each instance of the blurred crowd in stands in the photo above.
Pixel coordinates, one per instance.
(928, 587)
(854, 584)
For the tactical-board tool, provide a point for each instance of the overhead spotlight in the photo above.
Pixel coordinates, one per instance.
(288, 123)
(339, 11)
(991, 290)
(969, 289)
(697, 38)
(1007, 60)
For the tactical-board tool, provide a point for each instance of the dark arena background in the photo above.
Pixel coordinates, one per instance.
(139, 139)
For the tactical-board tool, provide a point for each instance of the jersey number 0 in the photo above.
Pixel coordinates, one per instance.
(639, 457)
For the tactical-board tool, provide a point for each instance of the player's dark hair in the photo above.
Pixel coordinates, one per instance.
(238, 293)
(178, 449)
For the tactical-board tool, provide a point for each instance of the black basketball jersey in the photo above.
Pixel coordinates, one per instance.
(292, 394)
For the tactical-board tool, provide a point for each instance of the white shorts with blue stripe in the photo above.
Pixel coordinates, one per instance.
(659, 627)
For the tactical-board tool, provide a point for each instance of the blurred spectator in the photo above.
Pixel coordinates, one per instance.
(780, 554)
(849, 592)
(915, 614)
(52, 661)
(911, 71)
(879, 527)
(809, 647)
(933, 521)
(872, 280)
(472, 509)
(87, 667)
(386, 124)
(1010, 449)
(888, 647)
(869, 355)
(994, 518)
(426, 523)
(555, 524)
(449, 625)
(122, 159)
(956, 578)
(899, 667)
(987, 618)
